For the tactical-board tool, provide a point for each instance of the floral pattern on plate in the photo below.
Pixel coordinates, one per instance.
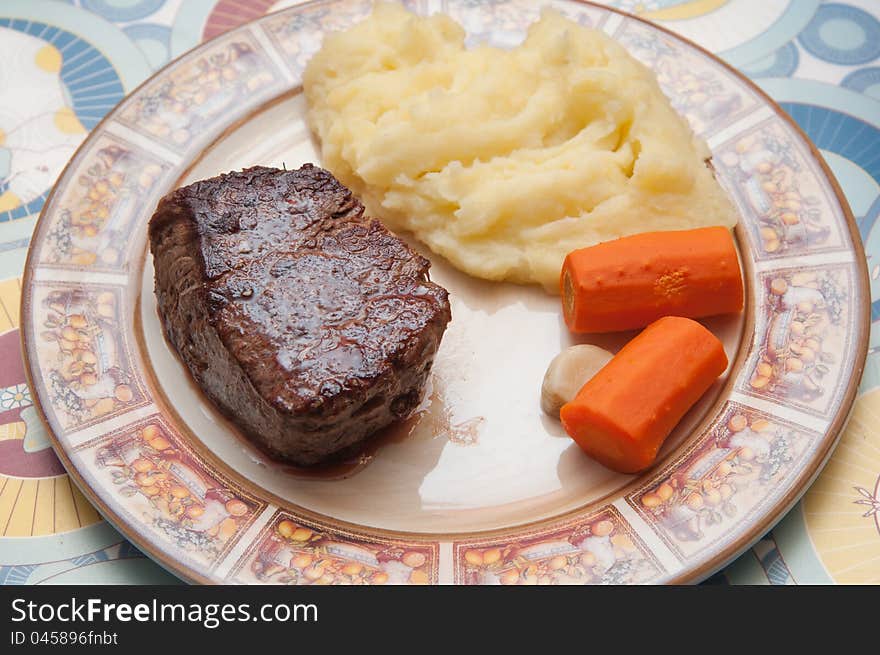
(710, 97)
(768, 173)
(171, 491)
(503, 23)
(702, 497)
(299, 35)
(600, 548)
(93, 216)
(292, 551)
(801, 337)
(211, 88)
(83, 357)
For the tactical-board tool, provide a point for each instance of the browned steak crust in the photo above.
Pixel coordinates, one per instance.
(307, 324)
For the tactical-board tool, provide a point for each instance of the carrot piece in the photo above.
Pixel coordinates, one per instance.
(624, 413)
(632, 281)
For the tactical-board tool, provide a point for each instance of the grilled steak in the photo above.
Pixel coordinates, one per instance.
(307, 324)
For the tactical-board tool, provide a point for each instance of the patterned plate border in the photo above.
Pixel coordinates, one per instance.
(772, 430)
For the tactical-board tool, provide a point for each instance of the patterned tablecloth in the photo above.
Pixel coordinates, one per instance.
(63, 65)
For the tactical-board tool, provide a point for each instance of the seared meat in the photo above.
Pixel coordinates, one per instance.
(307, 324)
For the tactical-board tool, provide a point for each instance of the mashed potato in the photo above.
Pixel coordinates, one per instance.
(503, 161)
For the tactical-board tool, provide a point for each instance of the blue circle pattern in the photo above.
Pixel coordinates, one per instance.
(151, 32)
(782, 63)
(122, 13)
(862, 79)
(811, 37)
(91, 81)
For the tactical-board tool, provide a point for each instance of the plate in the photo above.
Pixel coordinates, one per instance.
(478, 487)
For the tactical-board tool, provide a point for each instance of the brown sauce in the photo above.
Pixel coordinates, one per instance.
(341, 468)
(431, 419)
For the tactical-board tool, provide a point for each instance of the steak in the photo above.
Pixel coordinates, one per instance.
(309, 325)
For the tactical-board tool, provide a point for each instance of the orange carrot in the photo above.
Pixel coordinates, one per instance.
(624, 413)
(630, 282)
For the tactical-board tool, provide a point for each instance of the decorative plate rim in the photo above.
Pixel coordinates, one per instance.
(695, 570)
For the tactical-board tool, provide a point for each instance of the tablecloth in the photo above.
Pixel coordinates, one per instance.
(819, 60)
